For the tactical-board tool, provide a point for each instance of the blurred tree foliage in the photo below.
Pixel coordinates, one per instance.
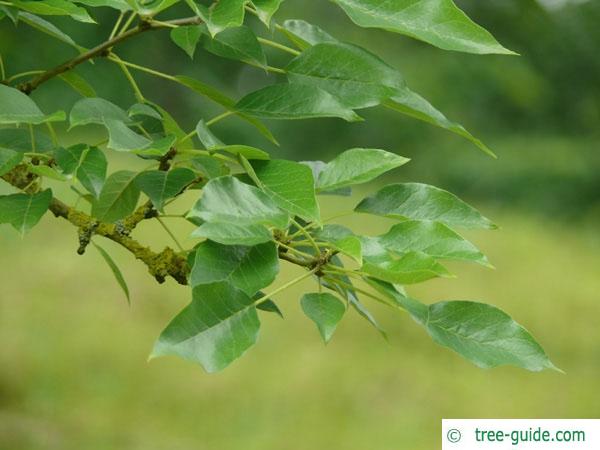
(539, 112)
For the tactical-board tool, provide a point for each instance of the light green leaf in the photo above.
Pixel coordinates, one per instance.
(122, 139)
(294, 101)
(317, 167)
(16, 107)
(141, 109)
(413, 105)
(410, 268)
(357, 166)
(92, 170)
(46, 27)
(350, 246)
(24, 211)
(232, 234)
(266, 9)
(118, 198)
(423, 202)
(150, 8)
(19, 139)
(481, 333)
(239, 43)
(432, 238)
(54, 8)
(226, 14)
(246, 268)
(96, 110)
(304, 34)
(115, 270)
(244, 150)
(160, 186)
(325, 310)
(228, 200)
(206, 136)
(291, 186)
(356, 77)
(121, 5)
(186, 38)
(48, 172)
(9, 159)
(218, 327)
(68, 159)
(78, 84)
(269, 306)
(437, 22)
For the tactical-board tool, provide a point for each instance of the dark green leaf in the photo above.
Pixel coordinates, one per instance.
(78, 84)
(92, 170)
(118, 198)
(266, 9)
(141, 109)
(305, 34)
(24, 211)
(226, 14)
(48, 172)
(121, 5)
(16, 107)
(269, 306)
(54, 8)
(438, 22)
(46, 27)
(218, 326)
(187, 38)
(206, 136)
(239, 43)
(96, 110)
(410, 268)
(9, 159)
(115, 270)
(68, 159)
(160, 186)
(232, 234)
(122, 139)
(325, 310)
(423, 202)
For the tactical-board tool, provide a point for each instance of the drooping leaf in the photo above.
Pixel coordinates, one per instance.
(228, 200)
(410, 268)
(186, 38)
(226, 14)
(294, 101)
(432, 238)
(350, 246)
(48, 172)
(325, 310)
(160, 186)
(437, 22)
(304, 34)
(46, 27)
(206, 136)
(54, 8)
(232, 234)
(68, 159)
(218, 327)
(78, 84)
(266, 9)
(423, 202)
(357, 166)
(97, 111)
(115, 270)
(290, 185)
(244, 150)
(141, 109)
(247, 268)
(481, 333)
(121, 138)
(92, 170)
(118, 198)
(239, 43)
(9, 159)
(16, 107)
(120, 5)
(317, 167)
(24, 211)
(150, 8)
(269, 306)
(356, 77)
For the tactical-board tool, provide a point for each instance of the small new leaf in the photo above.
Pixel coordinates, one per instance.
(326, 310)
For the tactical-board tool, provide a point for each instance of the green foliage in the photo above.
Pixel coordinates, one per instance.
(250, 211)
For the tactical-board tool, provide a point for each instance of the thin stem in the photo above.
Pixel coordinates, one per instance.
(218, 118)
(2, 71)
(286, 286)
(144, 69)
(127, 23)
(170, 233)
(354, 288)
(32, 137)
(207, 153)
(278, 46)
(136, 89)
(294, 250)
(23, 74)
(164, 24)
(53, 135)
(267, 68)
(117, 23)
(37, 155)
(303, 231)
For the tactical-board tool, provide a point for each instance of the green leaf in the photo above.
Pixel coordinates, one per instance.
(432, 238)
(97, 111)
(186, 38)
(16, 107)
(350, 246)
(115, 270)
(68, 159)
(50, 29)
(244, 150)
(48, 172)
(410, 268)
(209, 166)
(294, 101)
(291, 186)
(247, 268)
(266, 9)
(356, 77)
(9, 159)
(54, 8)
(118, 198)
(232, 234)
(226, 14)
(269, 306)
(413, 105)
(141, 109)
(325, 310)
(228, 200)
(239, 43)
(317, 167)
(92, 170)
(218, 327)
(481, 333)
(150, 8)
(437, 22)
(122, 139)
(357, 166)
(78, 84)
(120, 5)
(304, 34)
(160, 186)
(19, 139)
(206, 136)
(24, 211)
(423, 202)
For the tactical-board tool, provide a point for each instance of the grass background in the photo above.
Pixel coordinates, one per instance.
(74, 371)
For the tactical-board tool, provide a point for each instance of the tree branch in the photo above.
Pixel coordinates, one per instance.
(102, 50)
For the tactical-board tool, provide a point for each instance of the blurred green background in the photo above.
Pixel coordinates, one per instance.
(73, 361)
